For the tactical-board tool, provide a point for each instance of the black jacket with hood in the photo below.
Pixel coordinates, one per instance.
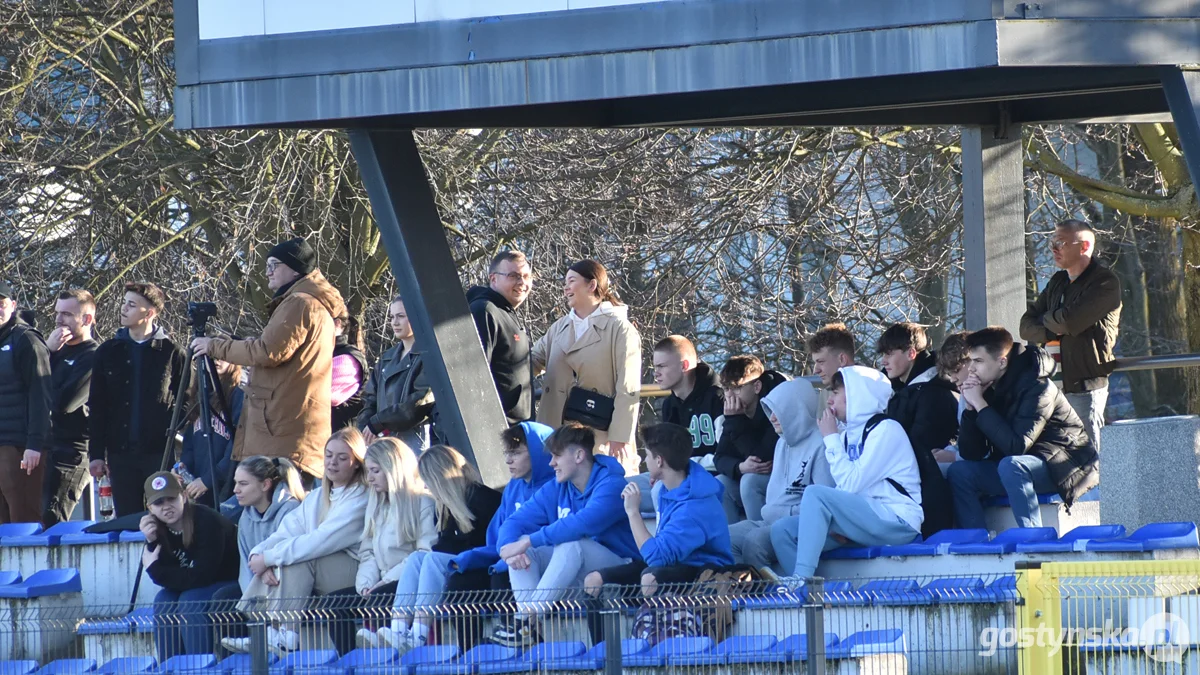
(1027, 414)
(699, 412)
(507, 348)
(25, 386)
(131, 393)
(743, 437)
(926, 405)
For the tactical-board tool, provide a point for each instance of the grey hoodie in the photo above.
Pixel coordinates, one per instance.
(800, 452)
(255, 527)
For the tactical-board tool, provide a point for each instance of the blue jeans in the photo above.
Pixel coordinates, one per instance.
(1089, 405)
(1022, 478)
(181, 621)
(422, 581)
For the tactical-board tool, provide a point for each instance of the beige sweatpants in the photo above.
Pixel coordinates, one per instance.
(300, 582)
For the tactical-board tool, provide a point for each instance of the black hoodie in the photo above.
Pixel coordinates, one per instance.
(743, 437)
(213, 556)
(71, 375)
(507, 348)
(925, 404)
(698, 412)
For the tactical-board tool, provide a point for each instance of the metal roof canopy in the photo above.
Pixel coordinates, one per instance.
(988, 65)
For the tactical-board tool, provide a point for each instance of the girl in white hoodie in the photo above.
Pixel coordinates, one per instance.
(877, 501)
(315, 549)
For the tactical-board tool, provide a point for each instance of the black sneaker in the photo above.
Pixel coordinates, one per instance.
(517, 634)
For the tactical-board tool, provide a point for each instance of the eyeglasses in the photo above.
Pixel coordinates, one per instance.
(272, 265)
(515, 276)
(1058, 244)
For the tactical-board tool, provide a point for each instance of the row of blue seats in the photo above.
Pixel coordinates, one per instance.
(40, 583)
(1152, 537)
(69, 533)
(952, 590)
(491, 659)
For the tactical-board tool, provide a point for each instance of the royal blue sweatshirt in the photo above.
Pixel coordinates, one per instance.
(559, 513)
(692, 529)
(517, 492)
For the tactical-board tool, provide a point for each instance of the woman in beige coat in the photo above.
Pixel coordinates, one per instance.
(594, 347)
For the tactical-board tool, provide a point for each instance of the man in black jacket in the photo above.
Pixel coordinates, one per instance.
(134, 378)
(1019, 435)
(1081, 308)
(924, 402)
(747, 446)
(72, 352)
(24, 413)
(505, 342)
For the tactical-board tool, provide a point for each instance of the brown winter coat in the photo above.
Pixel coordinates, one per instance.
(287, 410)
(607, 360)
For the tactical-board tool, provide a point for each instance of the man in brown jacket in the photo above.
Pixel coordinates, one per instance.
(1081, 308)
(287, 410)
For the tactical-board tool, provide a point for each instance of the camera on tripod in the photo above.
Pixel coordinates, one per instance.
(198, 315)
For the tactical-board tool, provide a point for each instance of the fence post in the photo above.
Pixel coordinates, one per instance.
(259, 664)
(610, 622)
(814, 625)
(1039, 611)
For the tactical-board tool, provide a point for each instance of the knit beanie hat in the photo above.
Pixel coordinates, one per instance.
(296, 254)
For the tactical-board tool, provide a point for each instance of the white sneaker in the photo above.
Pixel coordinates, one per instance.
(394, 638)
(367, 639)
(281, 641)
(236, 645)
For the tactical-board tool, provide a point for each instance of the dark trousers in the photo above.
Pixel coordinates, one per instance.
(128, 474)
(481, 593)
(345, 607)
(20, 493)
(62, 487)
(224, 614)
(181, 620)
(671, 580)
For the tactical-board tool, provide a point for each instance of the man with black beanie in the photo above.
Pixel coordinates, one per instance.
(24, 413)
(287, 409)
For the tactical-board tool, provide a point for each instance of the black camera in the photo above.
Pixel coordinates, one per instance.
(198, 315)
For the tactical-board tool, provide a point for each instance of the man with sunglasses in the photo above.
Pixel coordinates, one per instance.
(505, 342)
(1081, 308)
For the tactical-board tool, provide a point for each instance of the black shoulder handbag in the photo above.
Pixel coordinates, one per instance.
(589, 408)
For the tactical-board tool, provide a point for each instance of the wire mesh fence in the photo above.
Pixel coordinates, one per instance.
(720, 625)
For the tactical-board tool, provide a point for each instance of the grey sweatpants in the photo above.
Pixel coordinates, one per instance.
(1089, 405)
(825, 511)
(750, 542)
(556, 570)
(745, 497)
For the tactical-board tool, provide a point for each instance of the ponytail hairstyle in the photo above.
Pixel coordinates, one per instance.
(354, 440)
(594, 271)
(450, 478)
(401, 502)
(278, 471)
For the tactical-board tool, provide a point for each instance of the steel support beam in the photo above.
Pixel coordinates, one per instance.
(1182, 88)
(469, 412)
(993, 227)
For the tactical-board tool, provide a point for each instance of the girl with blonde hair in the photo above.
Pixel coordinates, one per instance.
(400, 520)
(465, 506)
(315, 549)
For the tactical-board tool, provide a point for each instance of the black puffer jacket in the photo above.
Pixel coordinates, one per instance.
(1028, 414)
(925, 405)
(507, 348)
(25, 387)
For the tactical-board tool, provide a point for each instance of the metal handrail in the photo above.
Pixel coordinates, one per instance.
(1124, 365)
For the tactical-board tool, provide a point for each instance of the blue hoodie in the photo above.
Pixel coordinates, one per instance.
(559, 513)
(691, 524)
(517, 492)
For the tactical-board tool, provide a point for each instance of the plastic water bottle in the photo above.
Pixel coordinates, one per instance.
(106, 500)
(181, 471)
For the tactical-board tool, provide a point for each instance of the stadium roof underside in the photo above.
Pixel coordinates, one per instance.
(703, 62)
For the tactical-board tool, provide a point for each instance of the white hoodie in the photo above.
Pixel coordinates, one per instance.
(303, 536)
(799, 453)
(888, 454)
(580, 325)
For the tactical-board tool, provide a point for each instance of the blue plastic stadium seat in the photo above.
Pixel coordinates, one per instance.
(50, 537)
(1006, 541)
(851, 553)
(44, 582)
(9, 577)
(889, 641)
(141, 620)
(128, 665)
(788, 650)
(69, 667)
(134, 537)
(549, 652)
(239, 664)
(720, 655)
(351, 662)
(781, 597)
(18, 667)
(1152, 537)
(937, 544)
(893, 592)
(468, 663)
(86, 539)
(594, 658)
(1002, 589)
(19, 530)
(957, 590)
(1075, 540)
(119, 625)
(658, 655)
(185, 664)
(304, 659)
(433, 654)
